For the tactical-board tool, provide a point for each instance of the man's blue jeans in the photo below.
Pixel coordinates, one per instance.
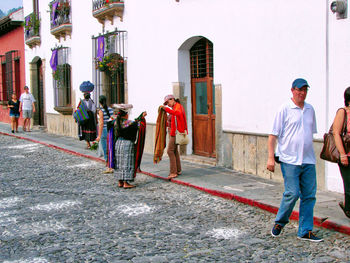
(299, 181)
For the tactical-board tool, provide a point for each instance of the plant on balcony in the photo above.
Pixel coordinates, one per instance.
(62, 10)
(32, 23)
(61, 75)
(109, 64)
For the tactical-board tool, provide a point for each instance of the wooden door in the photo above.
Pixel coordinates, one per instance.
(203, 98)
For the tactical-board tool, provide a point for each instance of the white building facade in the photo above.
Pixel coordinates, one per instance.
(230, 63)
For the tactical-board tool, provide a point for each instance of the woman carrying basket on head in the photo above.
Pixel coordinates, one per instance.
(178, 123)
(87, 131)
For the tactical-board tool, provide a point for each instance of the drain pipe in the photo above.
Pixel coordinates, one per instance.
(327, 64)
(327, 87)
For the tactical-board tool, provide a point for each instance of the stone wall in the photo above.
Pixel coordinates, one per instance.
(247, 153)
(61, 124)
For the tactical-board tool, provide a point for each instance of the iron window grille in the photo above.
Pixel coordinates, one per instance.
(10, 75)
(62, 78)
(201, 55)
(110, 81)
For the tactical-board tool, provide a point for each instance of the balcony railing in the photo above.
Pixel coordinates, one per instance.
(60, 18)
(107, 9)
(32, 30)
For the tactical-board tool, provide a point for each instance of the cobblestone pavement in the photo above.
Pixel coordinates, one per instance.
(56, 207)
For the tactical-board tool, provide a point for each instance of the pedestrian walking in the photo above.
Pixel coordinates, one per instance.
(105, 113)
(13, 105)
(293, 128)
(88, 131)
(176, 122)
(344, 167)
(127, 155)
(27, 107)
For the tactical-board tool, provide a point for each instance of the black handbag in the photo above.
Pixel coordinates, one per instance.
(329, 151)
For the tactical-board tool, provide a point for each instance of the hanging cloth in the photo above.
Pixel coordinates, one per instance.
(160, 141)
(140, 142)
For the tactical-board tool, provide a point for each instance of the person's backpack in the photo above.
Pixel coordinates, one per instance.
(81, 115)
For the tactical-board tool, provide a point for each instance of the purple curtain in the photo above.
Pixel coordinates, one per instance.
(27, 23)
(54, 60)
(27, 20)
(101, 47)
(54, 14)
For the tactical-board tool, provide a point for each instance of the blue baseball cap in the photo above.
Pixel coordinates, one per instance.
(299, 83)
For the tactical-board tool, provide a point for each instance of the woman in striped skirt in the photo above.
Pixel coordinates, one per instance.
(126, 132)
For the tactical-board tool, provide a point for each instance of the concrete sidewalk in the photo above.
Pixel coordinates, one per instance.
(221, 182)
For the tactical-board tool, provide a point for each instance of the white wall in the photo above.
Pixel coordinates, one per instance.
(259, 49)
(84, 27)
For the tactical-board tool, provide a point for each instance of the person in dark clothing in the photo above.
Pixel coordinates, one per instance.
(88, 131)
(126, 133)
(13, 105)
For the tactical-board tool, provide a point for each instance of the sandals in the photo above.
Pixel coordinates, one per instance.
(347, 213)
(108, 171)
(127, 186)
(172, 176)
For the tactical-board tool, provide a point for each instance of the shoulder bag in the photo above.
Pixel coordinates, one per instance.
(181, 138)
(329, 151)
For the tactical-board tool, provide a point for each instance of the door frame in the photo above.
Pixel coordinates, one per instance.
(209, 149)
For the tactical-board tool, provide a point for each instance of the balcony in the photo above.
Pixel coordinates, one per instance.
(61, 20)
(32, 30)
(107, 9)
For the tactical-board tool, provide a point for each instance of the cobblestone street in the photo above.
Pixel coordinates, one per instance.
(57, 207)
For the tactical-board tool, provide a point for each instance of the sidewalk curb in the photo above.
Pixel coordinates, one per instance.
(320, 222)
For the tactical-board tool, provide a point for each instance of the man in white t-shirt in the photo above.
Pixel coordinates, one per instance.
(27, 107)
(293, 128)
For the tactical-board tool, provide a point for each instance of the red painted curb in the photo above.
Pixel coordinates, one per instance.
(320, 222)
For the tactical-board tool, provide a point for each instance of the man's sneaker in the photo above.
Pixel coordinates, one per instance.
(311, 237)
(276, 230)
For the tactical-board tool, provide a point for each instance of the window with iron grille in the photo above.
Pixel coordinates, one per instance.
(202, 59)
(10, 75)
(62, 78)
(109, 65)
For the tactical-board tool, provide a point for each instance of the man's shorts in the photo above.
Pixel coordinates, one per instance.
(27, 114)
(16, 115)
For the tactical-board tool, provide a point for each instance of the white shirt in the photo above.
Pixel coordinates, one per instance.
(294, 128)
(27, 100)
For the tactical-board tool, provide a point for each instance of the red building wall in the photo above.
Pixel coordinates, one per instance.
(13, 40)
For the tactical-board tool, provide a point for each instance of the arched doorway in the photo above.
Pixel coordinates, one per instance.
(203, 98)
(37, 88)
